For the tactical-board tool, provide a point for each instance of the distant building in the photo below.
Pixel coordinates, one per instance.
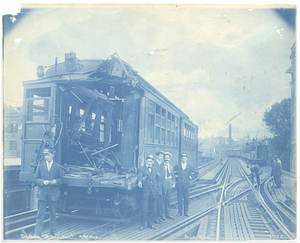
(292, 71)
(12, 132)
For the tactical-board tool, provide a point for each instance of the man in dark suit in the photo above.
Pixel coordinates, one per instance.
(185, 173)
(48, 178)
(167, 183)
(276, 171)
(158, 162)
(147, 176)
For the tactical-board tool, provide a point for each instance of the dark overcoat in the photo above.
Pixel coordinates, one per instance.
(149, 181)
(43, 174)
(183, 179)
(159, 178)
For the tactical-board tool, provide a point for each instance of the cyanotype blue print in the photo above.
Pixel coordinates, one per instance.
(150, 122)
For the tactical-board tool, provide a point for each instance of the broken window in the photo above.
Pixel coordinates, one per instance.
(38, 101)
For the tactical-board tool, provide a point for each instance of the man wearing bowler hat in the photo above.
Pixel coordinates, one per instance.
(185, 173)
(147, 176)
(48, 178)
(158, 164)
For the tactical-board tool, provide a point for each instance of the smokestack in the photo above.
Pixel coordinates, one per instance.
(230, 137)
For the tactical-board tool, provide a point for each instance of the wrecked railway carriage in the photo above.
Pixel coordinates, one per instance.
(102, 118)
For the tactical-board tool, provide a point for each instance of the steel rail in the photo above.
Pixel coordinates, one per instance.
(228, 173)
(258, 196)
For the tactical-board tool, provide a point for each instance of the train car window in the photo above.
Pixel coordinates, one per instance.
(38, 93)
(151, 107)
(38, 101)
(169, 138)
(173, 138)
(176, 136)
(102, 130)
(38, 109)
(157, 134)
(150, 127)
(163, 136)
(158, 109)
(169, 116)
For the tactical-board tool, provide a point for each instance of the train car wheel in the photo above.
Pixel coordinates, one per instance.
(123, 210)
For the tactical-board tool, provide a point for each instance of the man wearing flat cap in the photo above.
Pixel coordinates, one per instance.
(167, 183)
(158, 164)
(185, 173)
(48, 178)
(147, 179)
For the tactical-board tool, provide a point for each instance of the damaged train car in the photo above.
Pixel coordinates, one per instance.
(102, 118)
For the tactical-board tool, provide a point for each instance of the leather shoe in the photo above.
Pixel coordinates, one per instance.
(186, 215)
(152, 227)
(157, 221)
(163, 218)
(141, 228)
(169, 217)
(179, 214)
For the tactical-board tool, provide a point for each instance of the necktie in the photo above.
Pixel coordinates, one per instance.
(168, 172)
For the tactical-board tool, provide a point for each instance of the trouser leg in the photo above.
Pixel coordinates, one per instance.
(168, 201)
(277, 181)
(144, 211)
(152, 209)
(179, 197)
(159, 206)
(52, 213)
(42, 204)
(186, 200)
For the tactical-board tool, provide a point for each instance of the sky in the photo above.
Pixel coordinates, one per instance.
(215, 64)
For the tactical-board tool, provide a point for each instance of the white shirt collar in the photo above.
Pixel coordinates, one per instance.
(49, 164)
(183, 166)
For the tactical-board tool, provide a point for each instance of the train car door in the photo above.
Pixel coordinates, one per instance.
(38, 117)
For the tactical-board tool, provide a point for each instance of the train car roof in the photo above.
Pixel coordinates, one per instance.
(95, 70)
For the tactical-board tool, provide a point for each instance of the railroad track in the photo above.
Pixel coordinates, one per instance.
(232, 209)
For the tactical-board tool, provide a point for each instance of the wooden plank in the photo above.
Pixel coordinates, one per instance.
(245, 217)
(93, 218)
(237, 223)
(227, 224)
(242, 218)
(232, 221)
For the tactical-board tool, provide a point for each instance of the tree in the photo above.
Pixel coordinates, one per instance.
(277, 119)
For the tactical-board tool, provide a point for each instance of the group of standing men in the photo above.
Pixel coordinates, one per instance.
(157, 179)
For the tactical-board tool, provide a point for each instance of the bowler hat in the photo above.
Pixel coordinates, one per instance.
(167, 153)
(160, 152)
(48, 150)
(183, 155)
(150, 156)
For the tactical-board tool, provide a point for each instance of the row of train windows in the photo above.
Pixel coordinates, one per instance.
(162, 125)
(189, 135)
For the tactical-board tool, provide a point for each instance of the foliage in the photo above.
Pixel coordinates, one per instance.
(277, 119)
